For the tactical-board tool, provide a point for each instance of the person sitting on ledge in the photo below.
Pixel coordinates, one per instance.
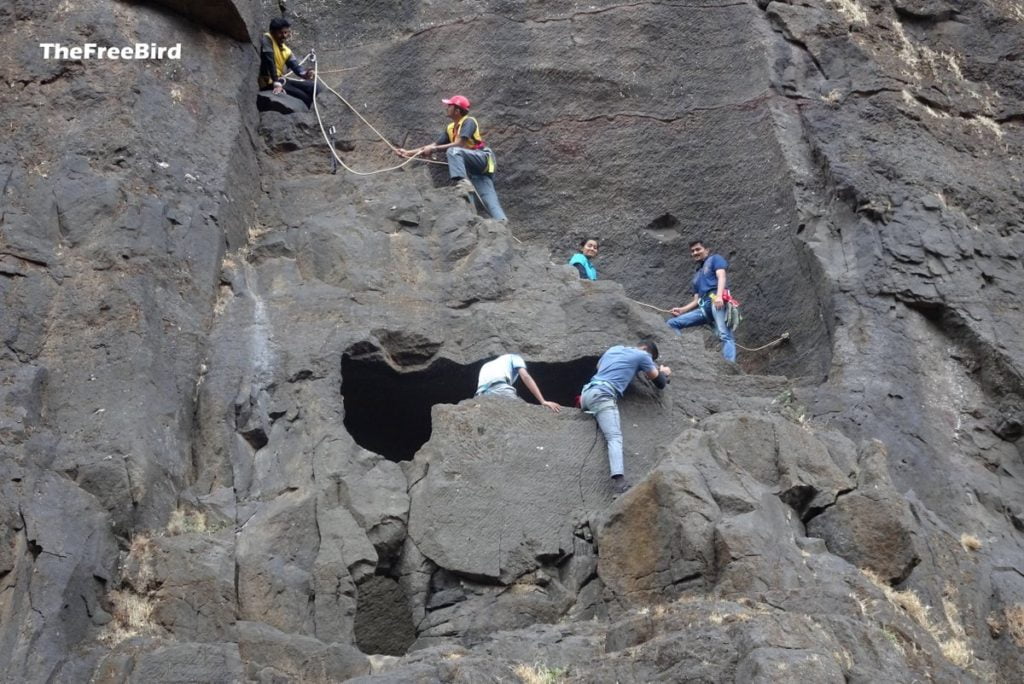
(471, 162)
(276, 59)
(497, 378)
(581, 259)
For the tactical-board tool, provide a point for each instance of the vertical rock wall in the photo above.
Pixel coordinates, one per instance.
(123, 183)
(193, 305)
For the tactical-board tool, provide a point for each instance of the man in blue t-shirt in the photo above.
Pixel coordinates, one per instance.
(708, 305)
(615, 370)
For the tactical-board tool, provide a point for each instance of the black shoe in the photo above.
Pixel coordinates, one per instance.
(619, 485)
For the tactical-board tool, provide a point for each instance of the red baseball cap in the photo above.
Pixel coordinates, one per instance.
(457, 100)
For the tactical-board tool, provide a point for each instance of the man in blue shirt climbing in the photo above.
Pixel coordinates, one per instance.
(710, 295)
(615, 370)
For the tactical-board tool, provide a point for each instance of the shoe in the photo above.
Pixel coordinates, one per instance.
(463, 185)
(619, 485)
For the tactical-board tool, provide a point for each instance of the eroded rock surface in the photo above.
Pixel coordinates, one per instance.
(237, 434)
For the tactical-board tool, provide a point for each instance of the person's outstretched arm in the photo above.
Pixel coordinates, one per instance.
(680, 310)
(535, 391)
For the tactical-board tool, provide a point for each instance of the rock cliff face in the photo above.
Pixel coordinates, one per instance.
(238, 439)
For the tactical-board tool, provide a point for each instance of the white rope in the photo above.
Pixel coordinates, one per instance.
(779, 340)
(320, 122)
(323, 131)
(650, 306)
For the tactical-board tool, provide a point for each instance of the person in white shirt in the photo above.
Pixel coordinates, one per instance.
(497, 378)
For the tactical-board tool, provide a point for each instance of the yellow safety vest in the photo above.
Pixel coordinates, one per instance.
(454, 128)
(476, 142)
(281, 54)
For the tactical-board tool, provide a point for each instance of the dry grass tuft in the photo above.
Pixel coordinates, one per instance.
(140, 552)
(970, 542)
(1015, 623)
(132, 616)
(852, 12)
(832, 97)
(539, 674)
(131, 610)
(957, 652)
(187, 522)
(955, 647)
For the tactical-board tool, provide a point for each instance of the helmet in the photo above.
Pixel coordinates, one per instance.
(457, 100)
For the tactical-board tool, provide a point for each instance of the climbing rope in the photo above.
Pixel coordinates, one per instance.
(338, 71)
(650, 306)
(317, 81)
(784, 337)
(779, 340)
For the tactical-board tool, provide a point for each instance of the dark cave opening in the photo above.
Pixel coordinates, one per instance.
(387, 410)
(559, 382)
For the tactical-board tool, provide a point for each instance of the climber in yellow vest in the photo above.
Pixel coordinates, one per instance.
(276, 59)
(470, 161)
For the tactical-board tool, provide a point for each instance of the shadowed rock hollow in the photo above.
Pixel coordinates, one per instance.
(237, 434)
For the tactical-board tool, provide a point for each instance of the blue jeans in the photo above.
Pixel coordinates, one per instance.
(472, 164)
(715, 317)
(600, 401)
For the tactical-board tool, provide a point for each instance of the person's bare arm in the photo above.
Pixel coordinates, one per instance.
(535, 391)
(680, 310)
(426, 149)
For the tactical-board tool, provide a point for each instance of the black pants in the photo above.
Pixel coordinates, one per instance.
(300, 89)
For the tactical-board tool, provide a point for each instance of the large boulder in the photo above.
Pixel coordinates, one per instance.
(657, 541)
(872, 527)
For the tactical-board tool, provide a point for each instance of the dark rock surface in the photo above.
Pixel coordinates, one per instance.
(237, 436)
(240, 19)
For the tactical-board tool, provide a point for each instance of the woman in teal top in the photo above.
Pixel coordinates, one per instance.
(581, 259)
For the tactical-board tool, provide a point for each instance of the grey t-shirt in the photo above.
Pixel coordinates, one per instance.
(620, 364)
